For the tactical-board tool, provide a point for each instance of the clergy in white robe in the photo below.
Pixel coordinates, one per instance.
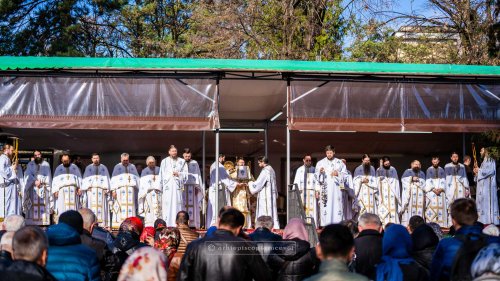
(150, 193)
(36, 201)
(486, 196)
(66, 186)
(225, 182)
(389, 194)
(267, 192)
(194, 194)
(173, 174)
(330, 173)
(457, 185)
(10, 187)
(309, 189)
(124, 188)
(414, 193)
(96, 190)
(436, 206)
(366, 186)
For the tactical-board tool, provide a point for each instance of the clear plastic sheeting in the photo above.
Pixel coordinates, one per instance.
(391, 106)
(108, 103)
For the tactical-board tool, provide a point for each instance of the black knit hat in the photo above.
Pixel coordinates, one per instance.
(73, 219)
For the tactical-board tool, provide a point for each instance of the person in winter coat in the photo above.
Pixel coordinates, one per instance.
(397, 263)
(424, 241)
(68, 258)
(295, 259)
(368, 245)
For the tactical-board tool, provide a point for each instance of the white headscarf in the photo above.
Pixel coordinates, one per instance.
(145, 263)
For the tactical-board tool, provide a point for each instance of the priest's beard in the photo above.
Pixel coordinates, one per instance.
(416, 170)
(435, 166)
(366, 168)
(38, 160)
(455, 163)
(387, 167)
(66, 165)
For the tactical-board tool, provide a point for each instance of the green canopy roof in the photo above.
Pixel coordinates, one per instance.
(169, 64)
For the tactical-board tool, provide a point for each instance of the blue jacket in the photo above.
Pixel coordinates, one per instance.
(443, 258)
(68, 258)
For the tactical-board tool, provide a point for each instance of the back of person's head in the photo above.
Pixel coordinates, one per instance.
(232, 219)
(6, 241)
(73, 219)
(437, 229)
(487, 263)
(265, 222)
(30, 244)
(463, 212)
(369, 221)
(423, 237)
(89, 218)
(222, 210)
(396, 242)
(295, 229)
(13, 223)
(415, 221)
(145, 263)
(133, 225)
(335, 241)
(182, 218)
(160, 224)
(352, 225)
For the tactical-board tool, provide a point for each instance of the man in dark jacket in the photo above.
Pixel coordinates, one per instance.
(263, 236)
(68, 258)
(223, 255)
(6, 250)
(464, 216)
(29, 247)
(368, 245)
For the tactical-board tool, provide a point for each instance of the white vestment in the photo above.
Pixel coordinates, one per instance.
(173, 188)
(486, 195)
(150, 195)
(265, 186)
(66, 182)
(227, 183)
(414, 194)
(456, 182)
(95, 192)
(36, 201)
(367, 193)
(436, 206)
(389, 195)
(125, 182)
(331, 206)
(306, 181)
(10, 188)
(194, 194)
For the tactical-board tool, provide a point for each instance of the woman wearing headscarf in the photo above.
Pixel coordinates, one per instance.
(486, 265)
(168, 242)
(148, 236)
(397, 263)
(424, 242)
(144, 264)
(294, 259)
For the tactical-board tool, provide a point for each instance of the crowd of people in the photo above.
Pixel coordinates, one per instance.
(76, 248)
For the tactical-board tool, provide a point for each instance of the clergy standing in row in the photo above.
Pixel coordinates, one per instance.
(225, 182)
(36, 199)
(267, 192)
(124, 188)
(436, 209)
(173, 174)
(366, 186)
(309, 188)
(486, 196)
(10, 186)
(414, 192)
(96, 189)
(389, 192)
(194, 194)
(457, 185)
(330, 174)
(66, 186)
(150, 193)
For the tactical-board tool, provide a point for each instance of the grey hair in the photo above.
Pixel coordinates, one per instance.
(369, 219)
(124, 154)
(6, 242)
(13, 223)
(29, 243)
(88, 216)
(150, 158)
(265, 221)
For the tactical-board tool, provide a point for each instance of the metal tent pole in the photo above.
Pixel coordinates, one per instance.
(287, 147)
(203, 173)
